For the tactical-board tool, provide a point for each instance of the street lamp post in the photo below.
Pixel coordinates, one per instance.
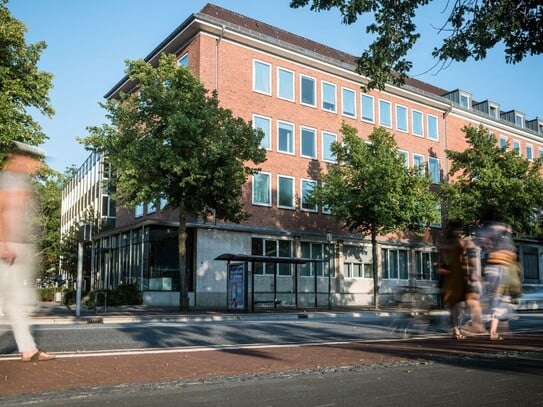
(79, 277)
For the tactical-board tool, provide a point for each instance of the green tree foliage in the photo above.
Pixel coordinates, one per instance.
(373, 192)
(473, 27)
(484, 174)
(171, 140)
(49, 197)
(22, 84)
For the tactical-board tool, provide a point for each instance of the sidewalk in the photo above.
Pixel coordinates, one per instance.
(53, 313)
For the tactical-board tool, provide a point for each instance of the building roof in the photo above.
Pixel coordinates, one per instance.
(269, 33)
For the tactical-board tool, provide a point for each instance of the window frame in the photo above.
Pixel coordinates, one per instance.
(422, 162)
(435, 173)
(292, 180)
(268, 134)
(367, 97)
(181, 60)
(303, 195)
(292, 84)
(325, 149)
(257, 62)
(352, 92)
(324, 85)
(381, 104)
(405, 110)
(415, 112)
(302, 144)
(436, 126)
(253, 187)
(281, 125)
(307, 77)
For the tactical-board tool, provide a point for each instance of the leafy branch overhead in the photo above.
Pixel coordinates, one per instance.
(473, 27)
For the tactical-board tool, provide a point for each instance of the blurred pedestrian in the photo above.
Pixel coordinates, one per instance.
(17, 253)
(494, 237)
(453, 268)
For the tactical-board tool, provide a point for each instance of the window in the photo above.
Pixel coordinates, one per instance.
(328, 96)
(425, 265)
(348, 102)
(401, 118)
(163, 203)
(285, 139)
(307, 90)
(307, 186)
(519, 119)
(385, 115)
(405, 157)
(540, 153)
(315, 251)
(261, 189)
(418, 162)
(263, 123)
(367, 108)
(183, 61)
(465, 100)
(138, 211)
(327, 140)
(285, 84)
(151, 208)
(272, 248)
(493, 111)
(285, 192)
(432, 127)
(262, 77)
(439, 216)
(416, 118)
(354, 265)
(516, 147)
(529, 152)
(308, 142)
(433, 169)
(503, 142)
(394, 264)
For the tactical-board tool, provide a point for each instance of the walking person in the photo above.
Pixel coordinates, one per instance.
(17, 253)
(453, 269)
(494, 238)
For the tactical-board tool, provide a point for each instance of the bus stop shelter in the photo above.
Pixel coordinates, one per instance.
(241, 276)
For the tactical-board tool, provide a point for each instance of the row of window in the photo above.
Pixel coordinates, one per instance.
(285, 138)
(529, 151)
(308, 146)
(286, 195)
(395, 262)
(406, 120)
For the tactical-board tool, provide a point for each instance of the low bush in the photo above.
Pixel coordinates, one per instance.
(125, 294)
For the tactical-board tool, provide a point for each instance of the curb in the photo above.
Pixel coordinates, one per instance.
(134, 318)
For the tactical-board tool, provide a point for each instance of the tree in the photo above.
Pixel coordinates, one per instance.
(373, 192)
(49, 197)
(171, 140)
(473, 27)
(485, 173)
(22, 84)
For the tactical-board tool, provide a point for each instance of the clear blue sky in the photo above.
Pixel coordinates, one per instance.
(89, 40)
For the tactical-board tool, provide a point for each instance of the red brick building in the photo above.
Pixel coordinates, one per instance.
(299, 92)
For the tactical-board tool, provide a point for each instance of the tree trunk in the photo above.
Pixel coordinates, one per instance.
(375, 269)
(182, 240)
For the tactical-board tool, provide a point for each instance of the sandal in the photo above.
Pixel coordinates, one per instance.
(496, 338)
(39, 356)
(458, 336)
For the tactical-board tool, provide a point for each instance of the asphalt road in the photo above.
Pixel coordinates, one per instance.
(159, 335)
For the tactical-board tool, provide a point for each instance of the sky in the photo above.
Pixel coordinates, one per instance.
(88, 42)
